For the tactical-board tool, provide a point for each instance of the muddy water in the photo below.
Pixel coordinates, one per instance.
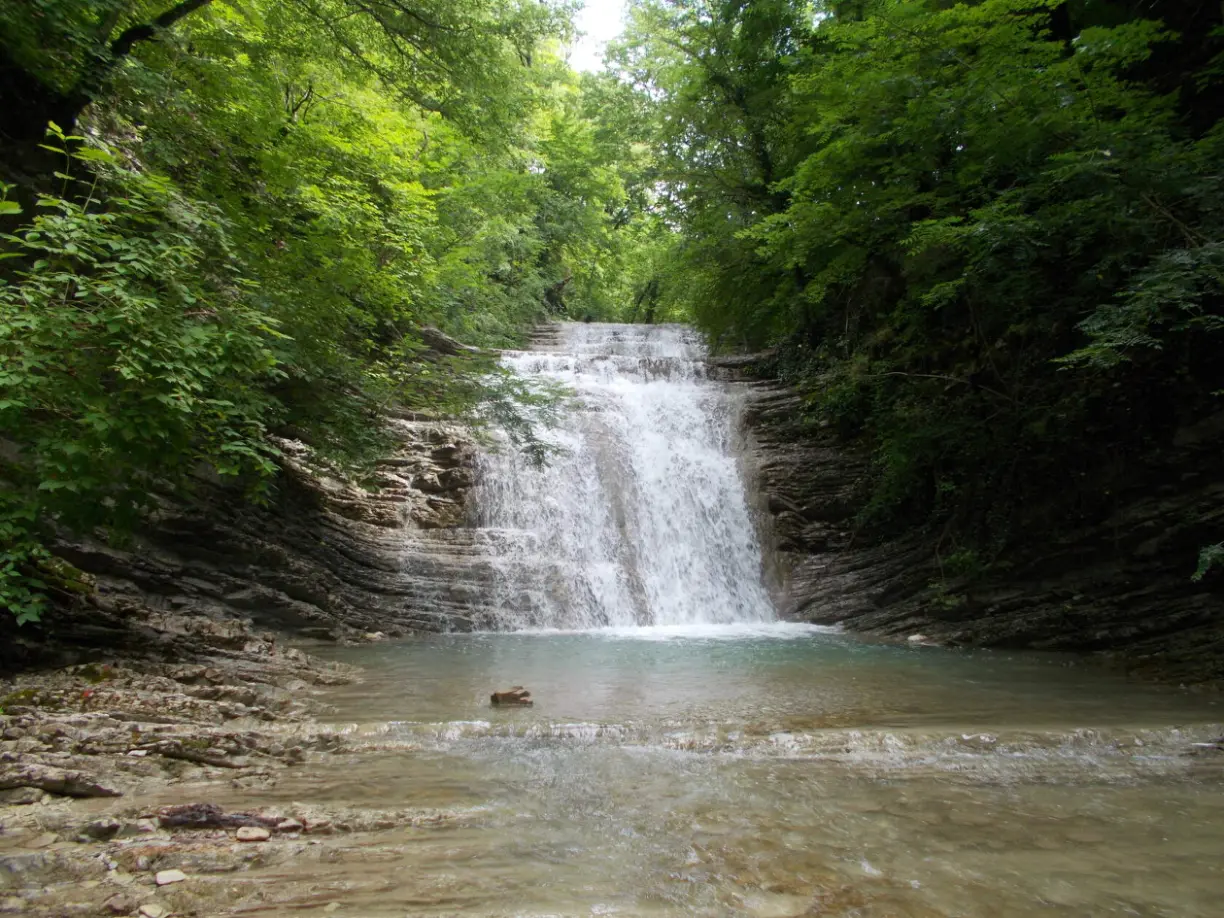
(765, 770)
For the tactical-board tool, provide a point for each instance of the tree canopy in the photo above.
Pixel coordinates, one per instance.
(984, 237)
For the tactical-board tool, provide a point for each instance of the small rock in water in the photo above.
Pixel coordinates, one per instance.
(516, 695)
(253, 834)
(166, 877)
(918, 639)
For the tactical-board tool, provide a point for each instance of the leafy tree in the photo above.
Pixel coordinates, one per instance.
(984, 236)
(263, 207)
(450, 56)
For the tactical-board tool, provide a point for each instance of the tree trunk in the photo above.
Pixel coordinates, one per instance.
(27, 104)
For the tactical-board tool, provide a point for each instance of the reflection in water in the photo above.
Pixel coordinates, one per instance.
(780, 772)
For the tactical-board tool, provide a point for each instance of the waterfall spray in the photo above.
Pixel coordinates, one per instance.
(641, 519)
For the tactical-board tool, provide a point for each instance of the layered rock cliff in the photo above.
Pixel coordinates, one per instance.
(1119, 584)
(322, 558)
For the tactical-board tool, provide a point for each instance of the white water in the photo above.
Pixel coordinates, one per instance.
(641, 520)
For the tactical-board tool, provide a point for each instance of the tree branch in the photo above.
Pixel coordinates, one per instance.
(131, 36)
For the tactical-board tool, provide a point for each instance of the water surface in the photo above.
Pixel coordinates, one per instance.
(777, 770)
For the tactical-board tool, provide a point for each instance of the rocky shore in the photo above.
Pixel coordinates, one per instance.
(104, 764)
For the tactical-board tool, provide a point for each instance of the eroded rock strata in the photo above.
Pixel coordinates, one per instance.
(1119, 584)
(322, 558)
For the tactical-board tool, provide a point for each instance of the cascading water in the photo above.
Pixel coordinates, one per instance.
(641, 517)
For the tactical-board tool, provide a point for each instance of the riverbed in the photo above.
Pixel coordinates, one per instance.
(772, 770)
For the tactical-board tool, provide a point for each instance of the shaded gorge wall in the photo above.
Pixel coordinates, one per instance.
(1118, 585)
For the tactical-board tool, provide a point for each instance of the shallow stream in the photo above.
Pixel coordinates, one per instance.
(773, 771)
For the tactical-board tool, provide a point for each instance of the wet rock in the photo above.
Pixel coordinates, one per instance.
(166, 877)
(18, 864)
(20, 796)
(153, 910)
(515, 695)
(289, 825)
(119, 904)
(253, 834)
(103, 829)
(54, 780)
(209, 816)
(327, 556)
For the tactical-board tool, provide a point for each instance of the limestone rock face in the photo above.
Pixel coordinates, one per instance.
(1119, 585)
(323, 558)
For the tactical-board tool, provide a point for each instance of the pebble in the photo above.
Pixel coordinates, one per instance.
(253, 834)
(289, 825)
(166, 877)
(153, 910)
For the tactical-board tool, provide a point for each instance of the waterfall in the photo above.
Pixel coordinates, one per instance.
(641, 517)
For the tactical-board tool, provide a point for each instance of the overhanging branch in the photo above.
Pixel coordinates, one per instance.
(146, 31)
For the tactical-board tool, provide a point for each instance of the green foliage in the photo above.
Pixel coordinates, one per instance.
(262, 205)
(131, 354)
(1209, 557)
(985, 237)
(22, 589)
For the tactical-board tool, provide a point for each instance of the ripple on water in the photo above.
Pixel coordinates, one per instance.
(692, 774)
